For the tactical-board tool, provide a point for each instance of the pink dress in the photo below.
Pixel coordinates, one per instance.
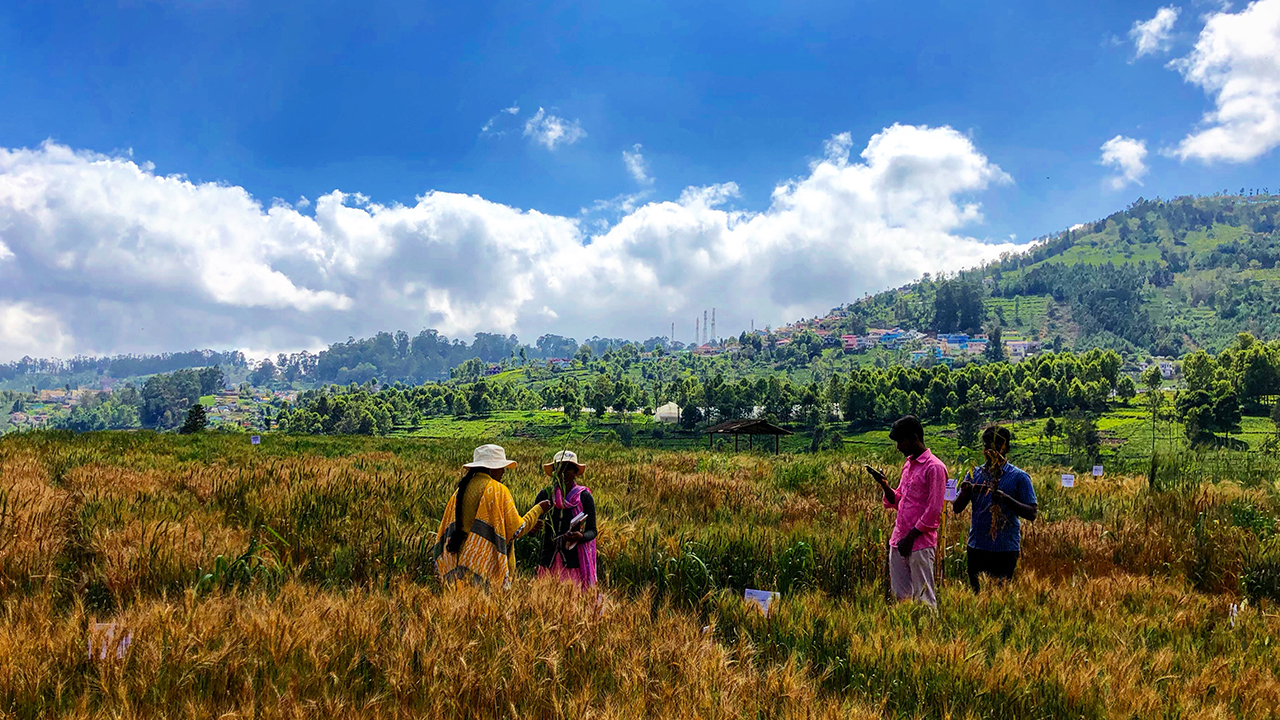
(585, 573)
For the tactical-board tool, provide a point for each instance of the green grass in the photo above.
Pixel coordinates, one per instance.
(1024, 312)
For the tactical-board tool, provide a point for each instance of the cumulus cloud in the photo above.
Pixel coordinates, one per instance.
(552, 131)
(1236, 60)
(106, 256)
(1128, 157)
(636, 165)
(1153, 35)
(25, 330)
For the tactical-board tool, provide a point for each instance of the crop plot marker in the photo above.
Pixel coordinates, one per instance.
(255, 439)
(1097, 471)
(762, 598)
(1068, 480)
(109, 644)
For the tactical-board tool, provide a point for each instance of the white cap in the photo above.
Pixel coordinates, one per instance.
(563, 456)
(492, 457)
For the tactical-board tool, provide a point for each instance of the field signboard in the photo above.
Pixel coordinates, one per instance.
(951, 490)
(1097, 471)
(255, 439)
(762, 598)
(1068, 480)
(106, 641)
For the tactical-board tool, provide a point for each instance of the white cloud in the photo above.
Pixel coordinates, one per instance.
(489, 124)
(552, 131)
(636, 165)
(1236, 60)
(1154, 35)
(1128, 157)
(25, 330)
(107, 256)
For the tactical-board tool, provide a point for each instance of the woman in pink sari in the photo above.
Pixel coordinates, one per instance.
(569, 528)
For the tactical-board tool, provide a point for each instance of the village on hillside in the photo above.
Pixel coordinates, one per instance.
(232, 408)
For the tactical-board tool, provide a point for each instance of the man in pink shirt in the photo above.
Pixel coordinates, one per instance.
(918, 500)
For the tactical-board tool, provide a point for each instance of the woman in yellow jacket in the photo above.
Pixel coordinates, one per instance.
(476, 541)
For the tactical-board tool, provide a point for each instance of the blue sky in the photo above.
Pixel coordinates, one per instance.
(387, 100)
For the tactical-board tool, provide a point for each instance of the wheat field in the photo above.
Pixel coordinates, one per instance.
(293, 579)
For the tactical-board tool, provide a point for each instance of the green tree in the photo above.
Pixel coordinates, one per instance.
(968, 423)
(479, 398)
(1259, 375)
(995, 345)
(196, 420)
(1200, 370)
(261, 376)
(1204, 413)
(570, 399)
(1125, 388)
(212, 379)
(1082, 439)
(601, 394)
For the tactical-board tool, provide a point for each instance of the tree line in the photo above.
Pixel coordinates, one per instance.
(161, 403)
(1045, 385)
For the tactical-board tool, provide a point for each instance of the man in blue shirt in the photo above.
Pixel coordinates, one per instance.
(1000, 494)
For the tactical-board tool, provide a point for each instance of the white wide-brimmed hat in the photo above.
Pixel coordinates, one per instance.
(568, 456)
(492, 457)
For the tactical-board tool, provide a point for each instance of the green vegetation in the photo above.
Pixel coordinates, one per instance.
(1162, 277)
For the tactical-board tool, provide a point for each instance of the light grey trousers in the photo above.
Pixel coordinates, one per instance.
(911, 578)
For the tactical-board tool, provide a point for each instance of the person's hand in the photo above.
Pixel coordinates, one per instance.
(966, 488)
(876, 475)
(572, 536)
(904, 546)
(545, 505)
(999, 496)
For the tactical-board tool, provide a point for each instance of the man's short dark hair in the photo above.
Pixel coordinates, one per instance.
(907, 427)
(997, 431)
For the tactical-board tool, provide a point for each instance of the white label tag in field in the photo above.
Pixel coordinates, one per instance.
(105, 641)
(255, 439)
(951, 490)
(762, 598)
(1068, 480)
(1097, 471)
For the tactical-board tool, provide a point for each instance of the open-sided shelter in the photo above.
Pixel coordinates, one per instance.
(750, 428)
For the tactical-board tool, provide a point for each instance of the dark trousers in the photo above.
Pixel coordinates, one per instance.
(999, 565)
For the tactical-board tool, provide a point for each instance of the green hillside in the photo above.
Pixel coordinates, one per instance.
(1163, 277)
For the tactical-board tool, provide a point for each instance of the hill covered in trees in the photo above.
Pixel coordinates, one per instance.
(1164, 277)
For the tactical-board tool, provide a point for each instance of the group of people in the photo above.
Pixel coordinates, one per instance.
(999, 493)
(476, 541)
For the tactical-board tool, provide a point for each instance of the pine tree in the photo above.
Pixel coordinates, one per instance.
(196, 420)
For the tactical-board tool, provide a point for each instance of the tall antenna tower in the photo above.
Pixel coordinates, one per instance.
(713, 324)
(672, 338)
(704, 327)
(697, 333)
